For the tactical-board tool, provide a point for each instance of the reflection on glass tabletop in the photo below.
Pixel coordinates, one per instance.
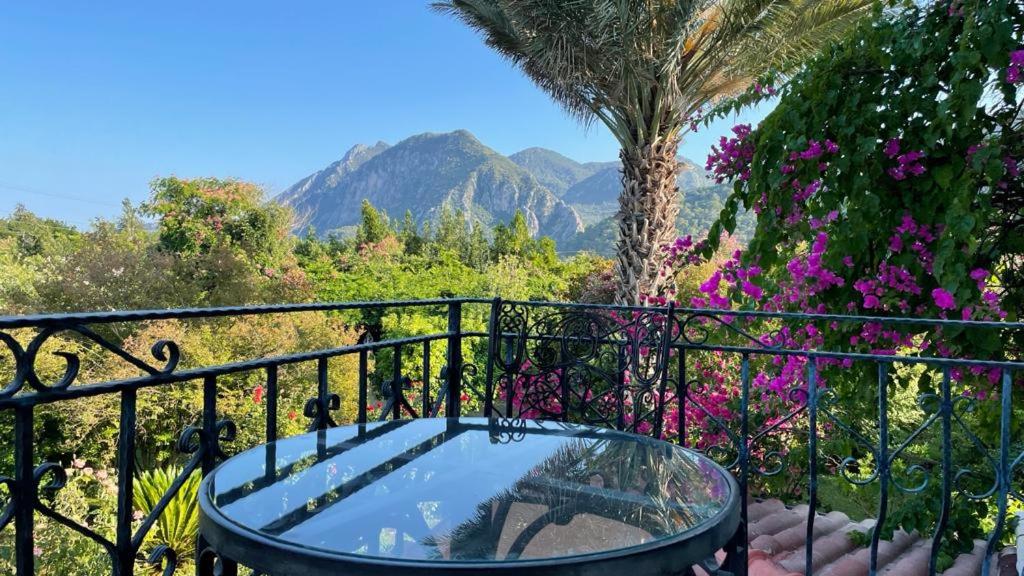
(468, 490)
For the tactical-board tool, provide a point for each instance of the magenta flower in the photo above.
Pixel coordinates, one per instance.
(752, 290)
(1014, 70)
(871, 301)
(892, 147)
(943, 299)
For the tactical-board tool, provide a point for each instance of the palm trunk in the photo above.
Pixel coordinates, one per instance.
(648, 207)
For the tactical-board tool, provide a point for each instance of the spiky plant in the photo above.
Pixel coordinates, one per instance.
(643, 67)
(178, 524)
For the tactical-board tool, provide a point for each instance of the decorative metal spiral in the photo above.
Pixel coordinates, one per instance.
(49, 478)
(165, 558)
(164, 351)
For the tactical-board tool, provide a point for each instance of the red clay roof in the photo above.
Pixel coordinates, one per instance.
(777, 547)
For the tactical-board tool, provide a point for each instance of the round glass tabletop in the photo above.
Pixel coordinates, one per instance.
(444, 493)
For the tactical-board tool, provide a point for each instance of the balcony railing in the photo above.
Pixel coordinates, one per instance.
(723, 382)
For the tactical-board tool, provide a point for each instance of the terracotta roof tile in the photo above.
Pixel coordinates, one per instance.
(778, 547)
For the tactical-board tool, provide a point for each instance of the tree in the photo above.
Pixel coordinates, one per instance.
(410, 235)
(197, 216)
(645, 68)
(513, 239)
(451, 234)
(374, 226)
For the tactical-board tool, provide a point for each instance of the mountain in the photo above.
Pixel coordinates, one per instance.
(422, 174)
(573, 202)
(555, 171)
(332, 175)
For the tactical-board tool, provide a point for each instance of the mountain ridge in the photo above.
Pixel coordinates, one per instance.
(423, 174)
(428, 172)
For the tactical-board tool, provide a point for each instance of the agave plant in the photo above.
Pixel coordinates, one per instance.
(178, 524)
(644, 68)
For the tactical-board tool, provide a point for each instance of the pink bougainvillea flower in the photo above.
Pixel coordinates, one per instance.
(943, 299)
(1014, 73)
(752, 290)
(892, 147)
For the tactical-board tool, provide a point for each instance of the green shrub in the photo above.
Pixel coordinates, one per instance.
(178, 524)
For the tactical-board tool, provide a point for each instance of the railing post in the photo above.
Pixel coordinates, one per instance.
(492, 351)
(24, 491)
(453, 409)
(363, 383)
(209, 459)
(946, 418)
(425, 394)
(272, 393)
(681, 397)
(397, 393)
(125, 490)
(882, 463)
(812, 461)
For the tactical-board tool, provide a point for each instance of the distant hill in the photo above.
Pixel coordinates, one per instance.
(573, 202)
(596, 197)
(699, 210)
(422, 174)
(555, 171)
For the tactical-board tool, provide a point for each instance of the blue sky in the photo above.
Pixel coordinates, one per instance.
(98, 98)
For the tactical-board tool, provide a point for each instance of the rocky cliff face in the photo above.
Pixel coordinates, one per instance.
(422, 174)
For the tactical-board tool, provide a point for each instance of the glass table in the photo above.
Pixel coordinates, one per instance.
(468, 496)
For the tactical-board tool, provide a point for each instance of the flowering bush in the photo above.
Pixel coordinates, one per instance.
(875, 197)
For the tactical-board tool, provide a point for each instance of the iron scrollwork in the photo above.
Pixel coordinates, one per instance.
(583, 364)
(25, 373)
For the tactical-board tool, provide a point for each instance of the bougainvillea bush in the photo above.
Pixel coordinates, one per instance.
(886, 182)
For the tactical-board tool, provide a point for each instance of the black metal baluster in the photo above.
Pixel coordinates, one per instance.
(209, 460)
(744, 460)
(882, 463)
(510, 379)
(322, 394)
(620, 389)
(396, 384)
(125, 561)
(1003, 474)
(736, 550)
(272, 394)
(454, 406)
(663, 367)
(945, 415)
(363, 387)
(812, 461)
(24, 491)
(425, 398)
(492, 357)
(681, 397)
(210, 449)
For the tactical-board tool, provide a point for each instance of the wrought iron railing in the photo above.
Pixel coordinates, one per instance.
(698, 377)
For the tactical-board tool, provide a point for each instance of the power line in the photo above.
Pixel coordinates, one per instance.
(56, 195)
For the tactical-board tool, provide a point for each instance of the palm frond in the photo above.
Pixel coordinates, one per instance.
(642, 66)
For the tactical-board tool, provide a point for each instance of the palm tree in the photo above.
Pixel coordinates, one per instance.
(643, 67)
